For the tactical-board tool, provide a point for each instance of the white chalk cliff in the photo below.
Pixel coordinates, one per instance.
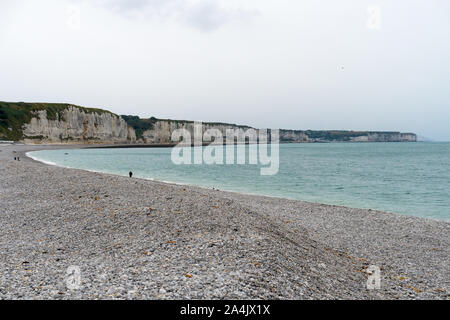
(77, 125)
(74, 125)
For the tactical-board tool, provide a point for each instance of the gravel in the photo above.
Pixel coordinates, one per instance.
(139, 239)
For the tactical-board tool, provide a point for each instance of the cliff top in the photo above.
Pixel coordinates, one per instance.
(14, 115)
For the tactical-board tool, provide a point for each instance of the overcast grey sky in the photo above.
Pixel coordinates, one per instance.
(310, 64)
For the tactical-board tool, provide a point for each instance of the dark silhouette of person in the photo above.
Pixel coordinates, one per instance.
(131, 174)
(15, 158)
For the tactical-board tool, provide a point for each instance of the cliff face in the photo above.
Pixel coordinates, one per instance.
(74, 125)
(161, 131)
(62, 123)
(345, 136)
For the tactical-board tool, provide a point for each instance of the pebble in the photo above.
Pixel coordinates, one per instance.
(235, 246)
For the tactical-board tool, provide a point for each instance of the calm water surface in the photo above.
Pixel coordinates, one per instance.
(404, 178)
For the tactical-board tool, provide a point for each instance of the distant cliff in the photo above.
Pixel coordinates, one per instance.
(154, 131)
(345, 136)
(65, 123)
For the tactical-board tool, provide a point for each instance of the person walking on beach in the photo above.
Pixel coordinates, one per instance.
(131, 174)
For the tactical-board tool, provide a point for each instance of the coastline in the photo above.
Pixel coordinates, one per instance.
(243, 193)
(265, 192)
(279, 250)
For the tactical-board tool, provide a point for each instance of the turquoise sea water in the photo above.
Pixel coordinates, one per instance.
(404, 178)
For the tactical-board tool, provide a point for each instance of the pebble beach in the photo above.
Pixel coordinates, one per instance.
(139, 239)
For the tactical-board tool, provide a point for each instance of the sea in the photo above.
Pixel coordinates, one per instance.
(403, 178)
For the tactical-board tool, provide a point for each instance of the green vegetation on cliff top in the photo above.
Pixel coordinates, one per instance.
(139, 125)
(13, 115)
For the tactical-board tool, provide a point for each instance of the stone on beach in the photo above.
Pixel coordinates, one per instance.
(150, 240)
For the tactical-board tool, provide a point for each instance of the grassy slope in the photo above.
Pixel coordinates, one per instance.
(139, 125)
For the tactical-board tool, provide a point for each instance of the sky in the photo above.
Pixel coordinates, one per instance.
(310, 64)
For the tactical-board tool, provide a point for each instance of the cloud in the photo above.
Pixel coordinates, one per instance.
(205, 15)
(127, 5)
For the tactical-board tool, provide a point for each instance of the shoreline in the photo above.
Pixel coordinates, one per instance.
(227, 191)
(275, 236)
(25, 154)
